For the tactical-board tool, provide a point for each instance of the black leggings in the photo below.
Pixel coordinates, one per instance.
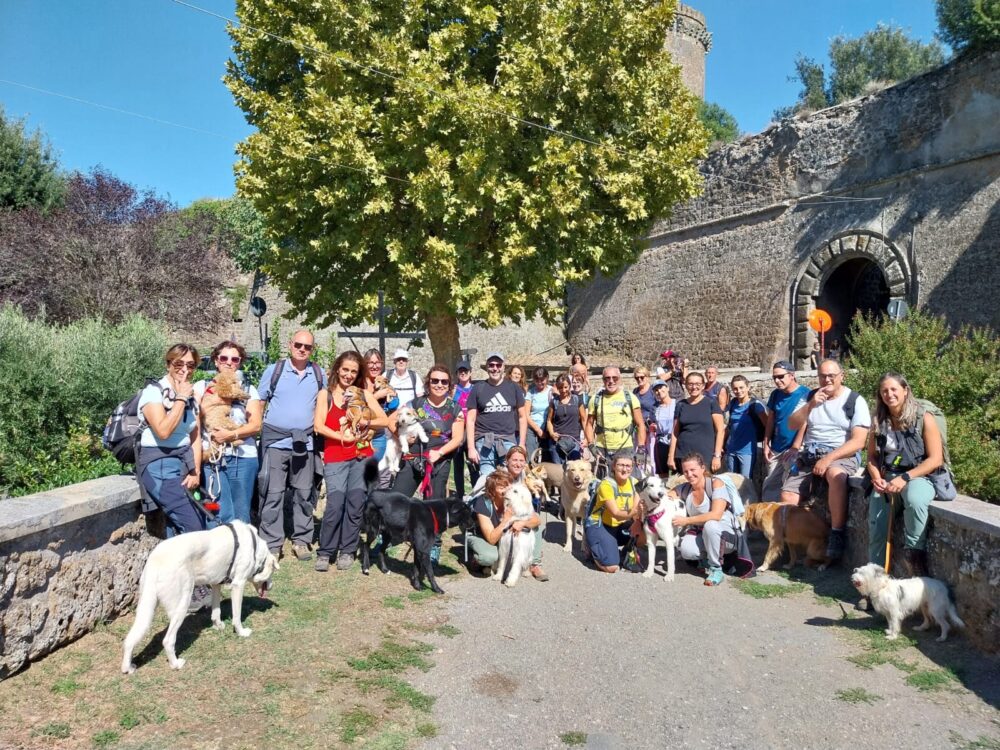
(411, 475)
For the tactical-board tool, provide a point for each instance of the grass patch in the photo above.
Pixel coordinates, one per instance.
(393, 602)
(573, 738)
(356, 723)
(857, 695)
(931, 679)
(419, 596)
(56, 729)
(66, 685)
(427, 730)
(105, 738)
(449, 631)
(768, 590)
(878, 649)
(982, 742)
(390, 739)
(400, 692)
(394, 657)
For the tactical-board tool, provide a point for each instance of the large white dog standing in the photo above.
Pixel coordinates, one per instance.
(661, 509)
(233, 553)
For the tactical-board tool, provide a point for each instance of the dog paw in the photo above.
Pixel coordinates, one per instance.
(941, 638)
(218, 625)
(567, 548)
(243, 632)
(890, 636)
(669, 578)
(178, 664)
(128, 669)
(764, 568)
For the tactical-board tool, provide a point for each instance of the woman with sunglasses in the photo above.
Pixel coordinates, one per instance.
(644, 392)
(386, 396)
(698, 426)
(230, 480)
(441, 418)
(169, 460)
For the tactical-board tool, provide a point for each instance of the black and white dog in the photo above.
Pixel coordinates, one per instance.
(660, 510)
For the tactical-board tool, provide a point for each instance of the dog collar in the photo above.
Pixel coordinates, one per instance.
(652, 518)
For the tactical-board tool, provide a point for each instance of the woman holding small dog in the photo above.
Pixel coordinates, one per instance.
(710, 523)
(231, 480)
(904, 450)
(378, 385)
(615, 516)
(344, 455)
(169, 458)
(441, 418)
(492, 520)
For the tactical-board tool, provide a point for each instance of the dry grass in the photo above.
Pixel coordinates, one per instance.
(290, 684)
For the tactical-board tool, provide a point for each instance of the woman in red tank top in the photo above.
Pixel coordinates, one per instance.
(344, 456)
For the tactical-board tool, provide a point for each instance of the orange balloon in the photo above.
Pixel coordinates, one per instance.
(820, 320)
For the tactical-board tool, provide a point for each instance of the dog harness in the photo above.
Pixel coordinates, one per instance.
(236, 547)
(434, 518)
(652, 518)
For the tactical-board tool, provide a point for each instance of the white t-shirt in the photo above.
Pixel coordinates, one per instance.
(827, 424)
(239, 416)
(405, 386)
(182, 432)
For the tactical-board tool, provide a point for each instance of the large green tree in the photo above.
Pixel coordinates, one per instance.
(29, 173)
(393, 150)
(886, 54)
(969, 24)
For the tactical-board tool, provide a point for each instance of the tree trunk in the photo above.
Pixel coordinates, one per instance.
(442, 330)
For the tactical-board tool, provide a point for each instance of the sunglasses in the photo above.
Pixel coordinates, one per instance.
(223, 359)
(779, 378)
(494, 366)
(179, 365)
(300, 345)
(438, 381)
(611, 379)
(641, 377)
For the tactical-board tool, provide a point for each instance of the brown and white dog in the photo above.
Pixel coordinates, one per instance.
(898, 598)
(217, 406)
(408, 432)
(574, 496)
(536, 478)
(801, 530)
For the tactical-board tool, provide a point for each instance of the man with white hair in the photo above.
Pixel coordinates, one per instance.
(404, 381)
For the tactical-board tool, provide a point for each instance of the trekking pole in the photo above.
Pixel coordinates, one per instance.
(888, 538)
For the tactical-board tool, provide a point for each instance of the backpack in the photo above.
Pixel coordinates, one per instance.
(849, 405)
(599, 430)
(125, 425)
(592, 495)
(935, 411)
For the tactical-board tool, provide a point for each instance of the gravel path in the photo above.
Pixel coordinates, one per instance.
(638, 663)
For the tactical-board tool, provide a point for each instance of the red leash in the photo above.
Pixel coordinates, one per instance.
(425, 485)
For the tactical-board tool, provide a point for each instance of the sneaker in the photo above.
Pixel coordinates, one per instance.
(301, 552)
(322, 563)
(436, 553)
(714, 577)
(836, 545)
(344, 561)
(537, 573)
(200, 597)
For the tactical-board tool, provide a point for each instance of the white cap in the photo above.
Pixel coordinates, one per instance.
(494, 355)
(401, 354)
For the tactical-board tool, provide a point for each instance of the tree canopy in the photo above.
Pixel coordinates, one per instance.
(718, 122)
(969, 24)
(29, 173)
(395, 150)
(240, 229)
(884, 55)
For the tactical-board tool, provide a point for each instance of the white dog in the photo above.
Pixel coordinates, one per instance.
(661, 509)
(233, 553)
(898, 598)
(408, 431)
(516, 549)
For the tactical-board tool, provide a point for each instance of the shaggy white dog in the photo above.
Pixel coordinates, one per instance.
(660, 511)
(515, 549)
(408, 431)
(898, 598)
(233, 553)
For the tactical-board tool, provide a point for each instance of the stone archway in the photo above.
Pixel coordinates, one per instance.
(858, 270)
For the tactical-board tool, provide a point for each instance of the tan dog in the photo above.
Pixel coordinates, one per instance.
(217, 407)
(574, 495)
(536, 479)
(358, 414)
(800, 529)
(382, 382)
(553, 476)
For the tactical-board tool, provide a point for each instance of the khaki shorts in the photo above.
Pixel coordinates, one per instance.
(801, 484)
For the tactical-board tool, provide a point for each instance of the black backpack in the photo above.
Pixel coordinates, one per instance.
(125, 426)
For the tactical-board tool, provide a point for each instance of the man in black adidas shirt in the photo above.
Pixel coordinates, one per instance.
(496, 418)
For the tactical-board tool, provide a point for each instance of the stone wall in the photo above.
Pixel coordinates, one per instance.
(69, 559)
(730, 277)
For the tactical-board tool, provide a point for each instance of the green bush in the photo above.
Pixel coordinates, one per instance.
(957, 370)
(58, 385)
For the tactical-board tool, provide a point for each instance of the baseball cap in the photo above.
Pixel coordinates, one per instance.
(659, 384)
(784, 364)
(494, 355)
(463, 364)
(667, 354)
(400, 354)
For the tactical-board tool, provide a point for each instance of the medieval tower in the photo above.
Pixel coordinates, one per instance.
(688, 42)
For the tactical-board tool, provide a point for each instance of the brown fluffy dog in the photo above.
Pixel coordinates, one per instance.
(574, 496)
(358, 414)
(217, 405)
(536, 479)
(800, 529)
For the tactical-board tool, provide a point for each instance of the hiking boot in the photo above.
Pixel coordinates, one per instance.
(344, 561)
(714, 577)
(322, 563)
(436, 553)
(836, 545)
(301, 552)
(916, 561)
(537, 573)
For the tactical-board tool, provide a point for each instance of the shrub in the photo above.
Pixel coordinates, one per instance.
(58, 385)
(957, 370)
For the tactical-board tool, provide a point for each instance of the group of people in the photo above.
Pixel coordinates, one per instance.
(674, 420)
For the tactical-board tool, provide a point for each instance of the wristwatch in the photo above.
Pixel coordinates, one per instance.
(905, 476)
(716, 455)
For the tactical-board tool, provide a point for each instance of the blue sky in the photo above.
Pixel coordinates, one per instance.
(165, 61)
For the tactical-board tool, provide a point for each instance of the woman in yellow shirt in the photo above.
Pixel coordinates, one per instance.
(615, 515)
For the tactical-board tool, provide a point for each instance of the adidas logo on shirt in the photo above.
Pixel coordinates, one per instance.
(497, 404)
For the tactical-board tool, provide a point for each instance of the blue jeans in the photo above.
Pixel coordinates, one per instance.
(491, 458)
(162, 480)
(378, 444)
(740, 463)
(232, 487)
